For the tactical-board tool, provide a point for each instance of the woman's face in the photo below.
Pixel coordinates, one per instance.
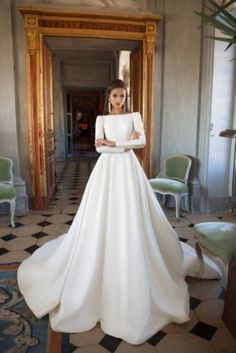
(117, 98)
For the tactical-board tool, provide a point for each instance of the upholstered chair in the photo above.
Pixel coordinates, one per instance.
(173, 180)
(7, 190)
(218, 239)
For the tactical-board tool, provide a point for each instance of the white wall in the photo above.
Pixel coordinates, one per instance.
(180, 78)
(9, 118)
(8, 124)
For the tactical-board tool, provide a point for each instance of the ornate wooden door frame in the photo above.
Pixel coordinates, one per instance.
(40, 22)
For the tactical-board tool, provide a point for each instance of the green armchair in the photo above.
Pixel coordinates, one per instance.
(173, 180)
(219, 240)
(7, 190)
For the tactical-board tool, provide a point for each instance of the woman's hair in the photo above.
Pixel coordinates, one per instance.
(114, 84)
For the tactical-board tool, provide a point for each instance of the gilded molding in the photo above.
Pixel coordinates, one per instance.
(31, 21)
(150, 45)
(151, 34)
(102, 26)
(32, 33)
(32, 37)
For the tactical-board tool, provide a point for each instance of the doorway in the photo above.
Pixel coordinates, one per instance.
(41, 23)
(83, 68)
(82, 108)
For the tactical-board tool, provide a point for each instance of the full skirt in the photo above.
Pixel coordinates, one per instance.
(120, 264)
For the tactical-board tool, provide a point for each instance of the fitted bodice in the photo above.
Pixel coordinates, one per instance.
(118, 127)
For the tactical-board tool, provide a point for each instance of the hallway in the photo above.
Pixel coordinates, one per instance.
(204, 333)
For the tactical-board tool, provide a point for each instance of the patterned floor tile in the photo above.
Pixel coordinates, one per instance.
(44, 223)
(183, 239)
(194, 302)
(184, 343)
(18, 224)
(9, 237)
(223, 341)
(199, 217)
(26, 230)
(182, 328)
(72, 348)
(88, 338)
(60, 218)
(203, 330)
(5, 230)
(156, 338)
(20, 243)
(56, 229)
(91, 349)
(32, 219)
(130, 348)
(13, 257)
(185, 232)
(203, 333)
(39, 235)
(210, 312)
(3, 251)
(110, 343)
(31, 249)
(44, 240)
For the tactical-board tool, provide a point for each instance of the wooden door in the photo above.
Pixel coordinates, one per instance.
(49, 122)
(136, 86)
(136, 80)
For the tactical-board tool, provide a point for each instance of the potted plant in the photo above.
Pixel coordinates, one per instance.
(221, 16)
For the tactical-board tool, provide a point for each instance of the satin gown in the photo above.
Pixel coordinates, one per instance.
(121, 263)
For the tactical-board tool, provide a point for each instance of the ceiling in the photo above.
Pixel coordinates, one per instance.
(72, 48)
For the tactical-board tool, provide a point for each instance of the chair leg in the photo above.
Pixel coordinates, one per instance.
(200, 259)
(187, 203)
(13, 206)
(177, 206)
(163, 200)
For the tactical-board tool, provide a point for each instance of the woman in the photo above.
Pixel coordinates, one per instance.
(121, 263)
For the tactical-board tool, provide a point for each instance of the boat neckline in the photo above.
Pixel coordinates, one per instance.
(119, 114)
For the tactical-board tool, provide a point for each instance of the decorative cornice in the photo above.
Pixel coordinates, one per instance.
(102, 26)
(75, 13)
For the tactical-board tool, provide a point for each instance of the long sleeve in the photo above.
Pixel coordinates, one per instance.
(99, 134)
(137, 143)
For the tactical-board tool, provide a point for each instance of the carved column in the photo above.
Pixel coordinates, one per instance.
(150, 40)
(35, 113)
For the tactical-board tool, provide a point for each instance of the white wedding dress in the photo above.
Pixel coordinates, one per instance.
(121, 263)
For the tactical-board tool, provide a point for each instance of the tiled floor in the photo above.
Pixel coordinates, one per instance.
(204, 333)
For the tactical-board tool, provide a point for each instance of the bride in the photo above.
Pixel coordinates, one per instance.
(121, 263)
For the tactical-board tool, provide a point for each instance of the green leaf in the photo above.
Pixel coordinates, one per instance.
(228, 40)
(219, 17)
(228, 46)
(220, 12)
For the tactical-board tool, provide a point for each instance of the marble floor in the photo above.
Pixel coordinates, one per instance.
(204, 333)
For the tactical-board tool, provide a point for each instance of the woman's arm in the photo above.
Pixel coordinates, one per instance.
(99, 134)
(139, 142)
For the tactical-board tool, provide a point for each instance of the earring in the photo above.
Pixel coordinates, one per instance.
(109, 107)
